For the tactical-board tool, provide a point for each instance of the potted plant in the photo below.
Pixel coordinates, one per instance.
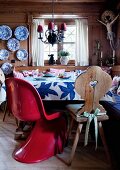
(63, 54)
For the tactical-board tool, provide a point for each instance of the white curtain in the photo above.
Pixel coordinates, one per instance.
(82, 56)
(37, 45)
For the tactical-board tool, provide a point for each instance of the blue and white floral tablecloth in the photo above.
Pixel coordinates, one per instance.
(53, 88)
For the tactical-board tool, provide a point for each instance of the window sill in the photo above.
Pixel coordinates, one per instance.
(70, 63)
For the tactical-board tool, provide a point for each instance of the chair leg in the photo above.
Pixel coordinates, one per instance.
(68, 161)
(5, 111)
(70, 127)
(79, 128)
(101, 131)
(17, 121)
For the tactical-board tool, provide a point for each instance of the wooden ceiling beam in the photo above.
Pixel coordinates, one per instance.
(46, 1)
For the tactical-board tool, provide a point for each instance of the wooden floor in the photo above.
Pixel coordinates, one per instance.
(86, 158)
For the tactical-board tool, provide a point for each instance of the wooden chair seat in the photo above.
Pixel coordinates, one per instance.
(73, 112)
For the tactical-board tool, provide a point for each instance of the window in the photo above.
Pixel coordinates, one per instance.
(76, 42)
(69, 41)
(49, 49)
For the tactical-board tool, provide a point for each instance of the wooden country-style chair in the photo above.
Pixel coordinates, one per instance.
(91, 85)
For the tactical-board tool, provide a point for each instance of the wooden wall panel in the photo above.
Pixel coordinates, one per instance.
(47, 7)
(14, 20)
(15, 14)
(118, 39)
(95, 37)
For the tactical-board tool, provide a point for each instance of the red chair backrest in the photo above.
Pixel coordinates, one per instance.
(23, 100)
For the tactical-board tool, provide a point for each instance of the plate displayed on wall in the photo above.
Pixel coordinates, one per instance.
(22, 54)
(13, 44)
(1, 32)
(4, 54)
(21, 33)
(5, 32)
(7, 68)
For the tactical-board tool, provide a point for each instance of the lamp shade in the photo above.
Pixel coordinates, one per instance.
(40, 28)
(51, 26)
(63, 27)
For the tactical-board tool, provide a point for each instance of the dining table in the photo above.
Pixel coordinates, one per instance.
(54, 88)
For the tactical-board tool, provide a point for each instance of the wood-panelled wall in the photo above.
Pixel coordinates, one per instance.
(16, 14)
(13, 20)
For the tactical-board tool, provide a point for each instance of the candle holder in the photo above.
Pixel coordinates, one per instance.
(98, 52)
(101, 59)
(101, 62)
(113, 58)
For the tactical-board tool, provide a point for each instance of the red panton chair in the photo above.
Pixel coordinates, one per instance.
(49, 133)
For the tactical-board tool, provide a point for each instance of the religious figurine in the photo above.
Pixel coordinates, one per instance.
(109, 26)
(108, 18)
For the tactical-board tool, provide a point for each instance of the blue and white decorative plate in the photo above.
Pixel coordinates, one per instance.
(5, 32)
(4, 54)
(1, 30)
(13, 44)
(21, 33)
(22, 54)
(6, 68)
